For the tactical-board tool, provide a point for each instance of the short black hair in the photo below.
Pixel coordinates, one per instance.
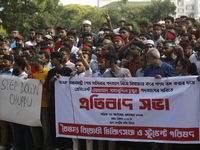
(145, 35)
(89, 56)
(20, 62)
(67, 43)
(144, 23)
(46, 54)
(139, 44)
(8, 57)
(129, 24)
(169, 18)
(28, 57)
(78, 60)
(86, 34)
(192, 20)
(125, 28)
(65, 49)
(57, 55)
(71, 33)
(197, 33)
(109, 35)
(122, 21)
(192, 68)
(134, 32)
(113, 55)
(27, 48)
(183, 16)
(188, 35)
(32, 29)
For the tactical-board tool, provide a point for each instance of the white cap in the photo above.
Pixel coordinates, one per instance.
(148, 42)
(48, 36)
(87, 22)
(100, 32)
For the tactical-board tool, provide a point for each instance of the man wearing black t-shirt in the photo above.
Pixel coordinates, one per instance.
(57, 71)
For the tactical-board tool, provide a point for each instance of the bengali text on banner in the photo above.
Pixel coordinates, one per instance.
(128, 109)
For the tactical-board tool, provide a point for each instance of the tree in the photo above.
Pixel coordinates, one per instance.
(73, 16)
(158, 10)
(124, 1)
(26, 14)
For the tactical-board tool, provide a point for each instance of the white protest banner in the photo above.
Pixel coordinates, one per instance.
(129, 109)
(20, 100)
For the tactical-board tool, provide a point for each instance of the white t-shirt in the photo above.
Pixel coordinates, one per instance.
(87, 73)
(194, 59)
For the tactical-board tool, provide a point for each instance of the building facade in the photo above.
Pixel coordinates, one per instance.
(184, 7)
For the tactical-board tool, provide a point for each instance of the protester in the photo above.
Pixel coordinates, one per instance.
(40, 72)
(143, 65)
(31, 42)
(7, 63)
(133, 63)
(185, 68)
(83, 70)
(157, 68)
(21, 131)
(53, 74)
(119, 52)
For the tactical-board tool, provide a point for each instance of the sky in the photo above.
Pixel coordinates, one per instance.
(82, 2)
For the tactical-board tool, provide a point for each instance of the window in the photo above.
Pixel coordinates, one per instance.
(190, 7)
(180, 2)
(180, 10)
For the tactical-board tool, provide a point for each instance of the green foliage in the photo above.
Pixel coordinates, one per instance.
(2, 31)
(74, 15)
(198, 23)
(158, 10)
(26, 14)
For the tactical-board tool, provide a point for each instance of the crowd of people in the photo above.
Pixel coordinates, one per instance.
(159, 50)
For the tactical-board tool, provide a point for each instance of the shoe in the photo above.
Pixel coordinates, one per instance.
(2, 148)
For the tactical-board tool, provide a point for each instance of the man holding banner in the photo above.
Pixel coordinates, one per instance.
(19, 70)
(111, 59)
(53, 74)
(157, 69)
(41, 73)
(8, 69)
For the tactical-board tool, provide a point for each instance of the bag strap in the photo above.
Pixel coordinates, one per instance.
(112, 74)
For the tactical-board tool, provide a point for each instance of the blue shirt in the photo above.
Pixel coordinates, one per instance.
(13, 45)
(98, 74)
(163, 69)
(139, 73)
(7, 72)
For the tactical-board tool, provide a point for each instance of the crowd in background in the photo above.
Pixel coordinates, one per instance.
(159, 50)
